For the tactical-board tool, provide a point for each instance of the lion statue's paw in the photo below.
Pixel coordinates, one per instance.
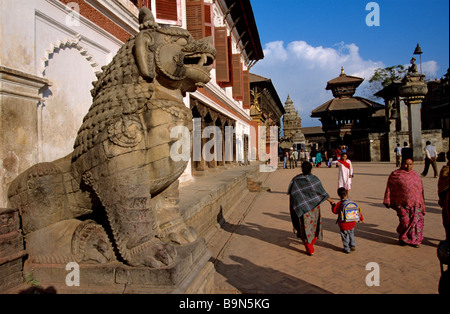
(184, 236)
(154, 254)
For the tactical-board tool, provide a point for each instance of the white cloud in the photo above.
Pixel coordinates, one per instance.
(302, 71)
(275, 51)
(429, 68)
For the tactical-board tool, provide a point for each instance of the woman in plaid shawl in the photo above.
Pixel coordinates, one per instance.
(306, 194)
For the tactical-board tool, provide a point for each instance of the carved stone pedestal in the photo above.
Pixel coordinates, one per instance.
(191, 273)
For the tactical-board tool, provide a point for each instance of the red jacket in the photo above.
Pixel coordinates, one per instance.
(344, 225)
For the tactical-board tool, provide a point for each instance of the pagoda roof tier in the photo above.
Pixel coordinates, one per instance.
(344, 79)
(346, 104)
(344, 85)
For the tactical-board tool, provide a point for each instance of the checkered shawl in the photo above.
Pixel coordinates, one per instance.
(306, 192)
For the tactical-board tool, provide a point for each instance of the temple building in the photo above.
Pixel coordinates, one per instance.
(350, 120)
(225, 101)
(371, 130)
(432, 125)
(292, 127)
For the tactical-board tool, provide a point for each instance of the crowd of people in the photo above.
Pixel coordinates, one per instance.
(329, 157)
(404, 193)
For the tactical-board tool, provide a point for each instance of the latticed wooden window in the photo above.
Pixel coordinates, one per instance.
(238, 79)
(199, 19)
(246, 89)
(226, 79)
(167, 10)
(222, 57)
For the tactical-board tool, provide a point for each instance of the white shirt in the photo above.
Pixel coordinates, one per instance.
(430, 151)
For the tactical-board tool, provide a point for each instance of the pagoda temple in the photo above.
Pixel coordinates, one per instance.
(349, 120)
(292, 126)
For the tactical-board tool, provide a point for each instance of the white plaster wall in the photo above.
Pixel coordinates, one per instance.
(68, 102)
(17, 34)
(69, 51)
(37, 40)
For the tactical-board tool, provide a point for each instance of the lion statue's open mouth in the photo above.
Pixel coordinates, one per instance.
(198, 66)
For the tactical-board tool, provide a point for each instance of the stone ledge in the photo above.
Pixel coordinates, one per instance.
(213, 195)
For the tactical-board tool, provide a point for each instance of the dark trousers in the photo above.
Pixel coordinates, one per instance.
(429, 162)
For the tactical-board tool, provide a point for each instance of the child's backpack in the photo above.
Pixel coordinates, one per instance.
(350, 211)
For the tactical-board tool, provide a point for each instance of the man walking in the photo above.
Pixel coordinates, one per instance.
(430, 158)
(398, 155)
(295, 157)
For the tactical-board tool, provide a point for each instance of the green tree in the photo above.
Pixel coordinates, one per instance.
(388, 75)
(381, 78)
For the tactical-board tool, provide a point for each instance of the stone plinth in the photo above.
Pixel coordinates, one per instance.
(191, 273)
(11, 250)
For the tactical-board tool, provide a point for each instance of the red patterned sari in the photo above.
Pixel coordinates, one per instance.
(443, 192)
(404, 194)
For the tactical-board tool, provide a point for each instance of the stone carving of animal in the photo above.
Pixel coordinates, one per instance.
(116, 195)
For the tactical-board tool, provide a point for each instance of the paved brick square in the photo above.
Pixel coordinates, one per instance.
(256, 251)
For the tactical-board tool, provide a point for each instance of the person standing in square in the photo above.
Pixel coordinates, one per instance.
(430, 159)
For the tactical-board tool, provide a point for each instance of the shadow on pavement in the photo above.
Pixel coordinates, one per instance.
(250, 278)
(371, 232)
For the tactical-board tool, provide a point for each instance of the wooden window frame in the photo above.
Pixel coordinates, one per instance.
(222, 63)
(177, 22)
(203, 25)
(238, 77)
(246, 102)
(230, 66)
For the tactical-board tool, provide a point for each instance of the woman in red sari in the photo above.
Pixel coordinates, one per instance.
(404, 194)
(443, 192)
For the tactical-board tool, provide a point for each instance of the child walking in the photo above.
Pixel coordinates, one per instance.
(346, 225)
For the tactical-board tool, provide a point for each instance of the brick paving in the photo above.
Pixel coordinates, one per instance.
(255, 250)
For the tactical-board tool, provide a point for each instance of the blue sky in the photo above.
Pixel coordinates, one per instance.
(306, 42)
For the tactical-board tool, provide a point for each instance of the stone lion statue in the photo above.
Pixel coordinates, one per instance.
(116, 195)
